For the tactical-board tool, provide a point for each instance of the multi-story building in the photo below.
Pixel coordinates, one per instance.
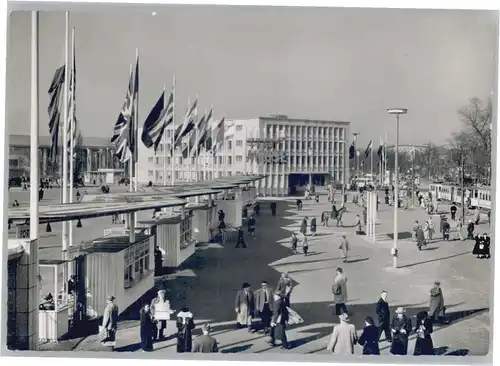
(97, 153)
(311, 151)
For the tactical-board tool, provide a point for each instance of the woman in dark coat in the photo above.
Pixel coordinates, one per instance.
(400, 328)
(313, 226)
(303, 226)
(423, 329)
(185, 325)
(369, 338)
(147, 327)
(476, 251)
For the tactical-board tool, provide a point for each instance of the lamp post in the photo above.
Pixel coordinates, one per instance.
(397, 112)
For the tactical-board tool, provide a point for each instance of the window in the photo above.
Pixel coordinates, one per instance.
(239, 143)
(239, 158)
(186, 232)
(239, 127)
(229, 145)
(150, 172)
(229, 160)
(150, 159)
(136, 259)
(157, 160)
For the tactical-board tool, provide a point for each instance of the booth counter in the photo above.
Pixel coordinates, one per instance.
(115, 266)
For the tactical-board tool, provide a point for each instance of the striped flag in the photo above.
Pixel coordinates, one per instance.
(154, 126)
(123, 130)
(206, 132)
(55, 98)
(188, 124)
(72, 123)
(368, 149)
(219, 135)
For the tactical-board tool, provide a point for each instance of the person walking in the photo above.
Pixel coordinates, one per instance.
(453, 211)
(416, 225)
(303, 226)
(339, 290)
(160, 312)
(420, 238)
(344, 247)
(401, 328)
(264, 305)
(358, 225)
(343, 337)
(244, 306)
(285, 286)
(384, 317)
(279, 320)
(436, 304)
(299, 204)
(369, 338)
(423, 329)
(470, 230)
(205, 343)
(294, 241)
(240, 241)
(185, 326)
(446, 230)
(459, 233)
(305, 245)
(251, 225)
(273, 208)
(146, 327)
(313, 226)
(110, 322)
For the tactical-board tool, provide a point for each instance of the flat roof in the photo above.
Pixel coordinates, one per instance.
(108, 244)
(87, 210)
(46, 141)
(51, 262)
(131, 197)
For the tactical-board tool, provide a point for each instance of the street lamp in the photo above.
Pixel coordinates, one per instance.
(397, 112)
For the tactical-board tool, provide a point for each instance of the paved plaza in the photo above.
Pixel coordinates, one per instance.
(208, 282)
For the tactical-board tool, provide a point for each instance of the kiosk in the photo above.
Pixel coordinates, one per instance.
(205, 221)
(114, 265)
(232, 205)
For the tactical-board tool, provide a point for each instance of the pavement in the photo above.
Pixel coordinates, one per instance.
(208, 281)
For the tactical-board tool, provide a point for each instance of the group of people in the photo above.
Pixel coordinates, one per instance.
(396, 330)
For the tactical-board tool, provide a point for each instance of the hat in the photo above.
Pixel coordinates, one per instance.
(161, 291)
(206, 327)
(400, 310)
(246, 285)
(110, 298)
(344, 317)
(437, 282)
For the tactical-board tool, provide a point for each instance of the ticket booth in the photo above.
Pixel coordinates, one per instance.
(232, 205)
(205, 222)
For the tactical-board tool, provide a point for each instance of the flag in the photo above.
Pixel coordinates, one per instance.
(380, 151)
(206, 132)
(352, 151)
(368, 150)
(55, 90)
(154, 126)
(218, 136)
(200, 128)
(72, 123)
(188, 124)
(124, 126)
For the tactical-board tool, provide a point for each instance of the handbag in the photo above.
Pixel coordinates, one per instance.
(337, 290)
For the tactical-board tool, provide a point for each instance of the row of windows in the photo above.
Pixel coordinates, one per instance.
(136, 258)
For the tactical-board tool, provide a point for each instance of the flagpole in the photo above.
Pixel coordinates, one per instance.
(64, 146)
(246, 152)
(164, 140)
(71, 136)
(34, 171)
(385, 156)
(172, 148)
(130, 164)
(136, 136)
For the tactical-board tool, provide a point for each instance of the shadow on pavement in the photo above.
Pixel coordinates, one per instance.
(434, 260)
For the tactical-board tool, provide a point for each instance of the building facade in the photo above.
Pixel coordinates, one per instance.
(309, 151)
(96, 153)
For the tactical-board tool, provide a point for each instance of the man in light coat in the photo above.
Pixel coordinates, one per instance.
(339, 290)
(110, 322)
(436, 304)
(343, 337)
(264, 305)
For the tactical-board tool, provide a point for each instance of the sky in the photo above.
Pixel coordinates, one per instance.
(312, 63)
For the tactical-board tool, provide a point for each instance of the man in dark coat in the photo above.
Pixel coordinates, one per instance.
(453, 211)
(401, 329)
(299, 205)
(273, 208)
(470, 230)
(251, 225)
(446, 230)
(264, 305)
(436, 304)
(487, 245)
(185, 326)
(369, 338)
(205, 343)
(279, 321)
(384, 317)
(423, 329)
(240, 241)
(158, 261)
(147, 326)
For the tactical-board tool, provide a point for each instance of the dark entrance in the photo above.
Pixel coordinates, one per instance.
(297, 182)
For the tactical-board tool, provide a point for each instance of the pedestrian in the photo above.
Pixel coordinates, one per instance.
(294, 242)
(325, 216)
(146, 329)
(256, 208)
(436, 304)
(359, 229)
(446, 230)
(344, 247)
(487, 245)
(415, 227)
(423, 329)
(221, 216)
(489, 217)
(160, 312)
(313, 226)
(305, 245)
(343, 337)
(339, 290)
(110, 322)
(273, 208)
(453, 211)
(285, 286)
(240, 241)
(264, 305)
(251, 225)
(40, 194)
(303, 227)
(401, 329)
(420, 238)
(244, 306)
(459, 233)
(369, 338)
(205, 343)
(384, 317)
(279, 320)
(470, 230)
(339, 218)
(185, 326)
(299, 204)
(479, 246)
(317, 197)
(158, 261)
(477, 216)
